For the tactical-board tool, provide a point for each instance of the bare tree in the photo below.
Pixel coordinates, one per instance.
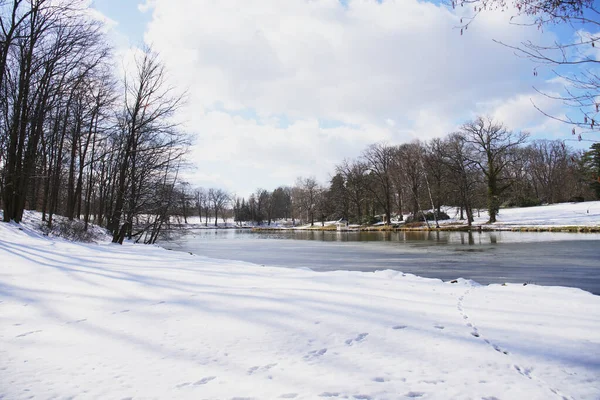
(218, 199)
(409, 168)
(47, 45)
(184, 198)
(200, 197)
(306, 197)
(492, 142)
(354, 174)
(379, 159)
(462, 171)
(572, 57)
(552, 171)
(437, 172)
(146, 130)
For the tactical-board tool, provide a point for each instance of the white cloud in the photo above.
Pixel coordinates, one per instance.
(393, 70)
(243, 154)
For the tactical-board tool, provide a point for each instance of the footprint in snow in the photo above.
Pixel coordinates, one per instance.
(414, 394)
(437, 326)
(399, 327)
(362, 396)
(256, 368)
(77, 321)
(315, 354)
(27, 333)
(205, 380)
(432, 381)
(379, 379)
(359, 338)
(329, 394)
(524, 371)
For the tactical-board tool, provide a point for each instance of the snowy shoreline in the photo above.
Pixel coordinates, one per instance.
(109, 321)
(581, 217)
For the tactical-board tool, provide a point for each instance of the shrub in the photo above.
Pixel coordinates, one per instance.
(522, 201)
(441, 216)
(371, 220)
(71, 230)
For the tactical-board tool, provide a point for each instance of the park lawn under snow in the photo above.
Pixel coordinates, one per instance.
(583, 214)
(552, 215)
(134, 321)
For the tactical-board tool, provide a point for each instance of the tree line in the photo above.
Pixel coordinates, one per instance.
(75, 140)
(483, 165)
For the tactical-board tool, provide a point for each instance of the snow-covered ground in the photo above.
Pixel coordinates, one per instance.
(133, 321)
(552, 215)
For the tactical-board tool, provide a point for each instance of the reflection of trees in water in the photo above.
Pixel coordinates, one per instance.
(493, 238)
(412, 238)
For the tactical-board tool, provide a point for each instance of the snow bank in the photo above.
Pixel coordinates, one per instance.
(134, 321)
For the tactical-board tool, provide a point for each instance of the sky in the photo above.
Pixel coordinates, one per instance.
(278, 90)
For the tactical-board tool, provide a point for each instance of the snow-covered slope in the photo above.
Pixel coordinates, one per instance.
(133, 321)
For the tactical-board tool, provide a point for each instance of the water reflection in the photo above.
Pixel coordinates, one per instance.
(412, 237)
(564, 259)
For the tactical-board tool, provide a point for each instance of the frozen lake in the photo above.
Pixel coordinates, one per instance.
(553, 259)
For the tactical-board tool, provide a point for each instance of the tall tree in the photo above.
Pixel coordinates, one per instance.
(492, 142)
(592, 166)
(147, 132)
(354, 174)
(410, 168)
(379, 159)
(218, 199)
(50, 45)
(337, 198)
(462, 171)
(306, 198)
(550, 166)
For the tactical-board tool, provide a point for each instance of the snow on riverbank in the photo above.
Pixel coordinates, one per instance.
(134, 321)
(563, 214)
(585, 214)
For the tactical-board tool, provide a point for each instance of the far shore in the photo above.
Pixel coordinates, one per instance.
(583, 217)
(442, 228)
